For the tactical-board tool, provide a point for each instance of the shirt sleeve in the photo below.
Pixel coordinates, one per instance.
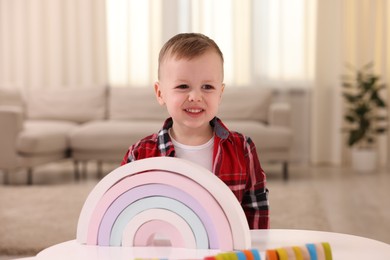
(144, 148)
(125, 158)
(130, 154)
(255, 200)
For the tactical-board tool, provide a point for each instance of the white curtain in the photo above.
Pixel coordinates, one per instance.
(284, 42)
(265, 43)
(134, 38)
(353, 31)
(52, 43)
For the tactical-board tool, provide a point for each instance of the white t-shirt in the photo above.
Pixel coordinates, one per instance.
(200, 154)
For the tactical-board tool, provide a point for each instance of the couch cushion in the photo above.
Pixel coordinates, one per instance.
(127, 103)
(263, 136)
(11, 97)
(245, 104)
(72, 104)
(40, 136)
(111, 134)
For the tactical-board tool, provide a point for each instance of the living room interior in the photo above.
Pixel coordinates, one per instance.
(89, 67)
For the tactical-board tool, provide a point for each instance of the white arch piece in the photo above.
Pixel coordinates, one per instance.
(149, 234)
(221, 192)
(186, 239)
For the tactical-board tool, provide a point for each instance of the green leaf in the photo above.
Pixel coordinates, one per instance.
(370, 140)
(350, 97)
(355, 136)
(377, 100)
(381, 130)
(347, 85)
(380, 118)
(362, 109)
(350, 118)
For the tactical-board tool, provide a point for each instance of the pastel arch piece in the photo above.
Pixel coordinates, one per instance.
(222, 194)
(115, 237)
(191, 194)
(149, 217)
(146, 234)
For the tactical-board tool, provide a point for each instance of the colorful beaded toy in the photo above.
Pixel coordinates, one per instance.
(311, 251)
(251, 254)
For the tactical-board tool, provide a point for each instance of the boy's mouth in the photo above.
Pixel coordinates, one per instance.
(194, 110)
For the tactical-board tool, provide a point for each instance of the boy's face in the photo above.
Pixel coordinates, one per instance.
(191, 90)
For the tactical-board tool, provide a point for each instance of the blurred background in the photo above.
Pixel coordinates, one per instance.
(298, 48)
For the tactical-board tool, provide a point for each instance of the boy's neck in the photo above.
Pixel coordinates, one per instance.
(194, 137)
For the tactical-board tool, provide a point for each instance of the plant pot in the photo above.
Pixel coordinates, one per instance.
(364, 160)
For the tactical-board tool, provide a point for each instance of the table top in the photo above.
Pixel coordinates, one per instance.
(343, 246)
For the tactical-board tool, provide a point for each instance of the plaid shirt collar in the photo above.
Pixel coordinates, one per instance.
(165, 144)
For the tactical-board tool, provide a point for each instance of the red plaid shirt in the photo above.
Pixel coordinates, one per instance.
(235, 162)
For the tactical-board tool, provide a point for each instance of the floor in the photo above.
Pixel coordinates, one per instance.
(354, 202)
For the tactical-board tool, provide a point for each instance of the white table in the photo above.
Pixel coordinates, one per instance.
(343, 247)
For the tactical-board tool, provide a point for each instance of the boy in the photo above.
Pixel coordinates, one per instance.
(190, 85)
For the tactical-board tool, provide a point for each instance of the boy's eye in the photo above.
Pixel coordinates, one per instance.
(207, 86)
(182, 86)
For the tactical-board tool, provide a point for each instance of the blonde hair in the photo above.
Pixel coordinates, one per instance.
(187, 45)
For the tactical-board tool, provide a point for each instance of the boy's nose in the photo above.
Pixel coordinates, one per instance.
(195, 96)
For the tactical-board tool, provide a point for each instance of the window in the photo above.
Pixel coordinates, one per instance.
(129, 42)
(284, 40)
(268, 42)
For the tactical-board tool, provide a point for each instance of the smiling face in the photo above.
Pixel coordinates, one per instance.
(191, 89)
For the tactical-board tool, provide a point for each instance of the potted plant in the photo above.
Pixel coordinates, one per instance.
(365, 115)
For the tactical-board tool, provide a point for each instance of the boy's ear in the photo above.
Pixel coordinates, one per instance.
(157, 91)
(222, 89)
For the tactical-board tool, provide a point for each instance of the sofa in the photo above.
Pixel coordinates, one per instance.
(99, 124)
